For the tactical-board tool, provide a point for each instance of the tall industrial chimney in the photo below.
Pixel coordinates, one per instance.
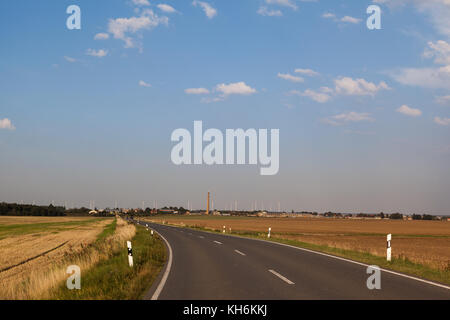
(207, 205)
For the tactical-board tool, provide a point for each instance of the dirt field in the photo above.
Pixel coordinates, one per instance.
(424, 242)
(60, 241)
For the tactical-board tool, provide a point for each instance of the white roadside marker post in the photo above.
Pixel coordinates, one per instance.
(130, 254)
(151, 232)
(223, 229)
(388, 253)
(268, 235)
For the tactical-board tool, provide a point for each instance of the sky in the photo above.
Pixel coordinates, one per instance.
(363, 115)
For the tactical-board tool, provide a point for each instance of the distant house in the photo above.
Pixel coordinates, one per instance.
(262, 214)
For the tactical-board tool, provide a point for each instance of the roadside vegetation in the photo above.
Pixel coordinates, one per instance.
(113, 278)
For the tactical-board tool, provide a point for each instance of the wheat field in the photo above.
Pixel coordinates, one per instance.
(65, 241)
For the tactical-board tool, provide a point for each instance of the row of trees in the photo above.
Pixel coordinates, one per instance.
(422, 217)
(14, 209)
(366, 215)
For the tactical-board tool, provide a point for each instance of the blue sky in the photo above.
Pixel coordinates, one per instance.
(364, 115)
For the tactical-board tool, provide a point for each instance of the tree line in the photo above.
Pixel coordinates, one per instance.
(14, 209)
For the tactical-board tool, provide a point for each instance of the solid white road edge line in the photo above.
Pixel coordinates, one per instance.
(162, 283)
(241, 253)
(281, 277)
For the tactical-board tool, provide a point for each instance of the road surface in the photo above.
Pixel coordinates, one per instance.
(208, 266)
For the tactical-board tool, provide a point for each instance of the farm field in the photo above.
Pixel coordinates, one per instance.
(35, 251)
(423, 242)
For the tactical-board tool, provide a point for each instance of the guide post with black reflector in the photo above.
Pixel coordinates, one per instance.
(130, 254)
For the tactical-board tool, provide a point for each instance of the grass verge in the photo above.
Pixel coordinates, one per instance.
(108, 231)
(113, 279)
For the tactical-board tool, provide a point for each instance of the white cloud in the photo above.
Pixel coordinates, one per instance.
(101, 36)
(307, 72)
(329, 15)
(141, 2)
(343, 118)
(326, 90)
(440, 51)
(207, 8)
(212, 100)
(142, 83)
(69, 59)
(443, 99)
(358, 87)
(289, 77)
(6, 124)
(166, 8)
(350, 19)
(240, 88)
(345, 19)
(284, 3)
(196, 91)
(442, 121)
(436, 78)
(120, 27)
(97, 53)
(263, 11)
(224, 90)
(409, 111)
(320, 97)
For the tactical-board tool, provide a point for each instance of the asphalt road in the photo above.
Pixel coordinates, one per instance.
(207, 266)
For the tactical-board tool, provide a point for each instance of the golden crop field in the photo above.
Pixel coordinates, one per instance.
(35, 251)
(424, 242)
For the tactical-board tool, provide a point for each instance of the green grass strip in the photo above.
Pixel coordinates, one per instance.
(108, 230)
(114, 279)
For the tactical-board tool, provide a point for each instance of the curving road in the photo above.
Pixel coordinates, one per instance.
(207, 266)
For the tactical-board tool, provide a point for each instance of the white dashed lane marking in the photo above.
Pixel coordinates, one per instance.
(281, 277)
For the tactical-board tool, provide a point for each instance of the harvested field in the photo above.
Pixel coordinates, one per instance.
(67, 240)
